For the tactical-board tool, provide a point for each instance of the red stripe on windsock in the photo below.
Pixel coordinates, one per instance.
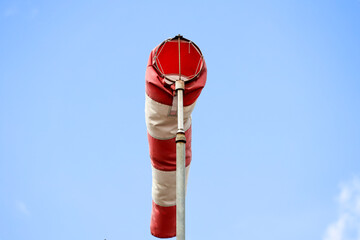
(163, 221)
(163, 152)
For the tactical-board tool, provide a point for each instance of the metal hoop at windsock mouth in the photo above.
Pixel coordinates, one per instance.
(166, 59)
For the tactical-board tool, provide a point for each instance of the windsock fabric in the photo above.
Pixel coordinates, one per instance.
(161, 122)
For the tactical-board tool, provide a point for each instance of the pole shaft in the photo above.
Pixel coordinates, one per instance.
(180, 110)
(180, 190)
(180, 157)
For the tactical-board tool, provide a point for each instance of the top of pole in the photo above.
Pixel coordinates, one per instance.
(179, 36)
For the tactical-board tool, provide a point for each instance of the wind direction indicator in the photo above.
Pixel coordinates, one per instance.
(175, 76)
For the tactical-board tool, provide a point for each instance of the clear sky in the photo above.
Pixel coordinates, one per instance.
(276, 131)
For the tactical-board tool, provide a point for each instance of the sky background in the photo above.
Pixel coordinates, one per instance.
(276, 133)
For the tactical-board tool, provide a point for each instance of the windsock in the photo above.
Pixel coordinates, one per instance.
(161, 122)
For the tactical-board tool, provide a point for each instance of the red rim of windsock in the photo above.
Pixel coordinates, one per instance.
(166, 59)
(161, 123)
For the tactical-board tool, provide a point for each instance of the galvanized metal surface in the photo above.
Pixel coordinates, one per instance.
(180, 110)
(180, 157)
(180, 170)
(180, 190)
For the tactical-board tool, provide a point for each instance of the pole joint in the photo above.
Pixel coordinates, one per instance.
(179, 85)
(180, 136)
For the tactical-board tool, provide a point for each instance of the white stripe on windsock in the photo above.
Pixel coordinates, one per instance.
(159, 121)
(164, 186)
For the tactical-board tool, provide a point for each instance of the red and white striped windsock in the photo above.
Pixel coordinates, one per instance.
(161, 121)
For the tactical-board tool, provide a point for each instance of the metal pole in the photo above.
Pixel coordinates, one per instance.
(180, 157)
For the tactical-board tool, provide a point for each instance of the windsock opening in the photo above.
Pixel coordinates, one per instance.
(166, 59)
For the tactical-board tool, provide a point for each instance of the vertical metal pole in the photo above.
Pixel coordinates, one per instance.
(180, 158)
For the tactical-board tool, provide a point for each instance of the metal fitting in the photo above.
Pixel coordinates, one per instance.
(179, 85)
(180, 136)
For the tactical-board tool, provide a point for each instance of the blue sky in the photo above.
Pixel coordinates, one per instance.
(276, 133)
